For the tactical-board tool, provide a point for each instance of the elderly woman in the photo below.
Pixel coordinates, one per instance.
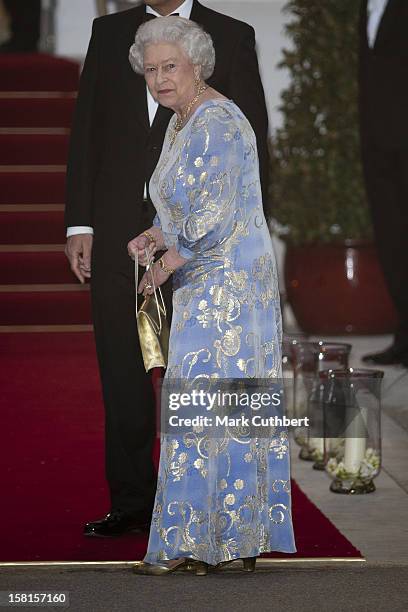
(228, 500)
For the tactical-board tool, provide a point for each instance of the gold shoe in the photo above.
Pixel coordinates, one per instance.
(199, 568)
(222, 564)
(248, 564)
(159, 569)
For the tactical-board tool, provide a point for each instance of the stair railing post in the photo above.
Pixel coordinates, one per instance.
(102, 7)
(47, 39)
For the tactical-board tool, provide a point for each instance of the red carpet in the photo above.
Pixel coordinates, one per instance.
(37, 72)
(32, 112)
(53, 459)
(45, 307)
(37, 96)
(32, 187)
(41, 268)
(40, 227)
(33, 149)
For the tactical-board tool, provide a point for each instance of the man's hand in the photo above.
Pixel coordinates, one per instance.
(78, 250)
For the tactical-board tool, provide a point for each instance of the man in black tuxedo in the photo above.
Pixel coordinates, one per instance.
(383, 68)
(113, 152)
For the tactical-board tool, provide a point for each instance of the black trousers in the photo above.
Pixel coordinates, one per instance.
(386, 178)
(127, 390)
(25, 23)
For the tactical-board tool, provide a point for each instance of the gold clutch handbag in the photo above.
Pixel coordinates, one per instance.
(152, 325)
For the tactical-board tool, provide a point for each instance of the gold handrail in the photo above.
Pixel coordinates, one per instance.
(4, 23)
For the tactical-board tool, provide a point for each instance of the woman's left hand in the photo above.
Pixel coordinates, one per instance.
(159, 277)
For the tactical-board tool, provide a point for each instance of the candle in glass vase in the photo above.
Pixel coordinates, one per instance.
(354, 452)
(355, 442)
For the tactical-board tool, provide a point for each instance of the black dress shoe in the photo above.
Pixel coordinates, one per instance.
(390, 356)
(117, 523)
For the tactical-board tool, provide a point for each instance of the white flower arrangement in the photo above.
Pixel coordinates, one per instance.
(317, 455)
(369, 467)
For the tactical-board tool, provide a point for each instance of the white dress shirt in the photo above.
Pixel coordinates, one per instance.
(184, 10)
(375, 9)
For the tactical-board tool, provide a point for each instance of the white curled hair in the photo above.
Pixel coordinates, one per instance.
(195, 42)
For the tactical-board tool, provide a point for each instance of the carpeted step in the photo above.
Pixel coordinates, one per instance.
(18, 149)
(45, 307)
(17, 268)
(37, 72)
(36, 112)
(32, 187)
(32, 227)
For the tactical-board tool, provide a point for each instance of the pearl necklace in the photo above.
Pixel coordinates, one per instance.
(184, 114)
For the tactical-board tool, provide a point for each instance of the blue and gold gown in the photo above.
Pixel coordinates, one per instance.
(225, 498)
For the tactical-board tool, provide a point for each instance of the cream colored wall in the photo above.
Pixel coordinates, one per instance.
(267, 19)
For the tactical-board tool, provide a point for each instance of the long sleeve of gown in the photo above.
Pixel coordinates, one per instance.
(213, 158)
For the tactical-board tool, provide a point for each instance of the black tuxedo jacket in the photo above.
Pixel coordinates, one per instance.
(113, 151)
(383, 78)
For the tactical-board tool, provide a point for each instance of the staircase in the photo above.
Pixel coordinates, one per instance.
(38, 292)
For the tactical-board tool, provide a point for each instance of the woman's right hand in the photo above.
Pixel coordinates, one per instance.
(139, 245)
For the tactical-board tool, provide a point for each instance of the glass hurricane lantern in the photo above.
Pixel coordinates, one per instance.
(310, 359)
(352, 425)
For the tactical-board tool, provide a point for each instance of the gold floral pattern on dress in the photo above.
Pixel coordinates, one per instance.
(230, 499)
(281, 484)
(228, 496)
(277, 513)
(280, 445)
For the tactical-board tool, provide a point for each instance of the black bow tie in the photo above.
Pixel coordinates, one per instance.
(150, 16)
